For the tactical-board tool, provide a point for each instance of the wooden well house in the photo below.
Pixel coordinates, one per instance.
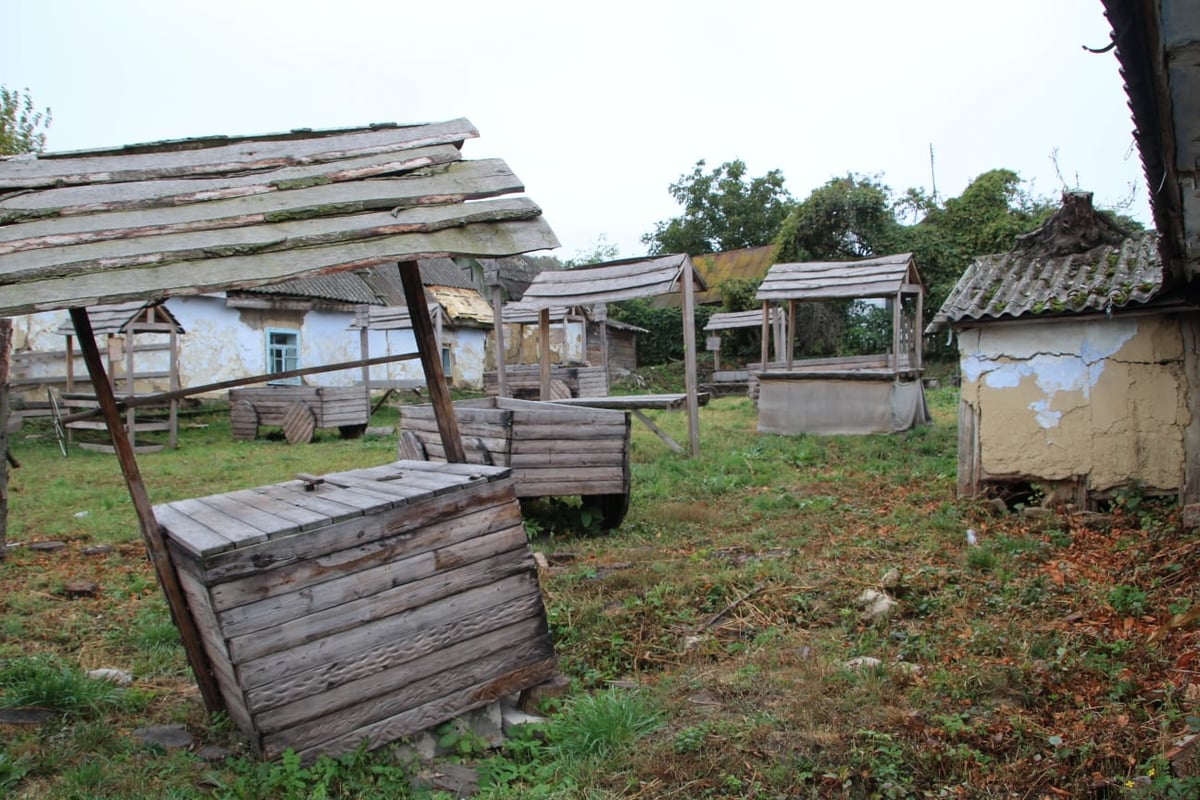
(874, 393)
(142, 345)
(329, 609)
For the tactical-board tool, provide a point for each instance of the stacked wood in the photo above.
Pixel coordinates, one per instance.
(553, 449)
(368, 604)
(343, 407)
(525, 380)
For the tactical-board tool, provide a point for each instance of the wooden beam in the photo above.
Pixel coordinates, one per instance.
(431, 361)
(160, 558)
(766, 316)
(498, 327)
(687, 278)
(233, 383)
(544, 355)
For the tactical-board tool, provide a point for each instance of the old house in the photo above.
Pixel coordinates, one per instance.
(1073, 363)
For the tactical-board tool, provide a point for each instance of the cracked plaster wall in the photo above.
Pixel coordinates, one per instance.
(1103, 398)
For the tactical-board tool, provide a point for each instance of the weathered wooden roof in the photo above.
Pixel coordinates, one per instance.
(608, 282)
(882, 276)
(1012, 285)
(113, 319)
(1156, 43)
(726, 320)
(183, 217)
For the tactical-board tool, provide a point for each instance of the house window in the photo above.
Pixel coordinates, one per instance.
(283, 353)
(446, 360)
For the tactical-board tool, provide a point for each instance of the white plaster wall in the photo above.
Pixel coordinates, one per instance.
(1100, 398)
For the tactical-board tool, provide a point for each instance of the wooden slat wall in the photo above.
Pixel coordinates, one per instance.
(553, 450)
(218, 214)
(414, 602)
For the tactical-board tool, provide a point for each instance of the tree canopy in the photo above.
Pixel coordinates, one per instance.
(722, 210)
(22, 127)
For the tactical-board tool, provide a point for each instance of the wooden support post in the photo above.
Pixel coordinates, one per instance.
(687, 277)
(766, 342)
(431, 361)
(130, 388)
(173, 386)
(544, 355)
(498, 326)
(151, 532)
(919, 332)
(364, 348)
(791, 339)
(896, 322)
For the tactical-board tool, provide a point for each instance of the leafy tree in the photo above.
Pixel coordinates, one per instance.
(722, 210)
(601, 250)
(22, 130)
(22, 127)
(847, 218)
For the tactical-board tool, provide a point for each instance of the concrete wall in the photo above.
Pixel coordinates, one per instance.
(1099, 400)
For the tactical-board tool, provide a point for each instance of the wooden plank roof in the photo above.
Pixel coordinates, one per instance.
(727, 320)
(113, 319)
(199, 215)
(609, 282)
(882, 276)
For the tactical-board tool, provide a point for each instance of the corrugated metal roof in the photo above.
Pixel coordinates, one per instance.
(1017, 285)
(185, 217)
(882, 276)
(609, 282)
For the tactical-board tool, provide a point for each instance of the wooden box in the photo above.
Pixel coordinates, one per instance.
(552, 449)
(299, 410)
(372, 605)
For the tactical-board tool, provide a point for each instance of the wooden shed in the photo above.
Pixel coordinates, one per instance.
(222, 213)
(623, 280)
(880, 393)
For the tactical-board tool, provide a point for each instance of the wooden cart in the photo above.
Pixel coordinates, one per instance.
(299, 410)
(553, 449)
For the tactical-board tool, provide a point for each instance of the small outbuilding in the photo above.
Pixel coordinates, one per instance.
(1075, 364)
(874, 393)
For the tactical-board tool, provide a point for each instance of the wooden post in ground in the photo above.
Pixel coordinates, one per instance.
(5, 350)
(151, 532)
(544, 356)
(687, 277)
(498, 327)
(431, 361)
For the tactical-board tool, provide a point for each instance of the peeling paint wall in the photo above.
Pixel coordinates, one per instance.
(522, 343)
(1103, 400)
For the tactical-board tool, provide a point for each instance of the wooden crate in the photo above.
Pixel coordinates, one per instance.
(553, 449)
(524, 380)
(375, 604)
(343, 407)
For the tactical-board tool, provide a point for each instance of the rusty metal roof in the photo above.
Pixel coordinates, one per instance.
(882, 276)
(191, 216)
(463, 305)
(1012, 285)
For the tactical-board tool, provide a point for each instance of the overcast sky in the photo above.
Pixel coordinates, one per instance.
(599, 106)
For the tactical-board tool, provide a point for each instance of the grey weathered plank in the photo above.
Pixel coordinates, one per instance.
(301, 560)
(361, 531)
(100, 286)
(381, 687)
(446, 707)
(232, 528)
(396, 640)
(194, 536)
(90, 198)
(299, 588)
(347, 615)
(536, 486)
(239, 155)
(63, 236)
(495, 653)
(265, 521)
(302, 518)
(292, 493)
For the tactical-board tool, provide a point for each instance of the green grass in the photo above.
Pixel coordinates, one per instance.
(727, 599)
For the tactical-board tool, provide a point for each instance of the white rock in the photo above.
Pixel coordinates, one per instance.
(118, 676)
(863, 662)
